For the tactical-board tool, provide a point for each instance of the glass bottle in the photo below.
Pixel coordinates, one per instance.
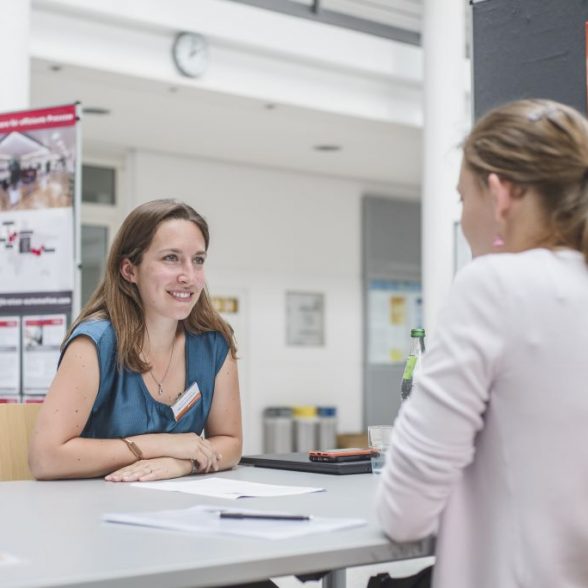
(417, 348)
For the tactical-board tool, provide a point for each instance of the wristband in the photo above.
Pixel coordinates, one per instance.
(133, 447)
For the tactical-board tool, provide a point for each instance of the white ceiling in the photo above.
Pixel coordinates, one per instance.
(193, 122)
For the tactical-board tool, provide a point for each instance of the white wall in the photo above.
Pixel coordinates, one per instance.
(271, 232)
(254, 53)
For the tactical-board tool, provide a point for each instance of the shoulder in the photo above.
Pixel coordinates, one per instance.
(495, 269)
(210, 343)
(514, 272)
(103, 337)
(100, 331)
(212, 340)
(208, 337)
(478, 278)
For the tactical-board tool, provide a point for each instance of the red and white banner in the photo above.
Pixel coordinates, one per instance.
(43, 118)
(39, 196)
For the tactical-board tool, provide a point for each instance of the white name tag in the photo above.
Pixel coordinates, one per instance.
(186, 401)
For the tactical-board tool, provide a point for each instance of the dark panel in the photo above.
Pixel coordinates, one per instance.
(391, 231)
(382, 394)
(529, 49)
(392, 238)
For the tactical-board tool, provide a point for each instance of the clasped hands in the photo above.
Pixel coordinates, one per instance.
(184, 459)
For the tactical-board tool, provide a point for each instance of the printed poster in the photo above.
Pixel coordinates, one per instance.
(42, 338)
(10, 355)
(39, 188)
(394, 308)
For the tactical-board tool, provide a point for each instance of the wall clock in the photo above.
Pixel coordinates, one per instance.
(190, 54)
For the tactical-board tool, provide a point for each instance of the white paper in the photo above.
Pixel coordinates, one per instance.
(230, 489)
(6, 559)
(205, 519)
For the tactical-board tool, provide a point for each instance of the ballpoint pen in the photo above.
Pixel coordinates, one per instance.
(268, 516)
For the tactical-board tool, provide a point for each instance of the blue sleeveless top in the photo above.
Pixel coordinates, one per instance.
(123, 405)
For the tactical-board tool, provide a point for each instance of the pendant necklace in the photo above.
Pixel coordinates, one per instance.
(160, 390)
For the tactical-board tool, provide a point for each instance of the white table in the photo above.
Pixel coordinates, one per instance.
(54, 528)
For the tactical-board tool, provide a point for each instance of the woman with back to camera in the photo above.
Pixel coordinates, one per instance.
(490, 450)
(147, 366)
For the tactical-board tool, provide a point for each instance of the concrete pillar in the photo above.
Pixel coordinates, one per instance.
(445, 116)
(14, 55)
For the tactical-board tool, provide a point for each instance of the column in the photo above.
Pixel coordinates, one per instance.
(14, 55)
(445, 116)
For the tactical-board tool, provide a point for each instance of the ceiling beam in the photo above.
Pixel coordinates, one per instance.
(316, 13)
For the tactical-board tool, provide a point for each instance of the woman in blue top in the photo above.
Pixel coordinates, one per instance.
(147, 366)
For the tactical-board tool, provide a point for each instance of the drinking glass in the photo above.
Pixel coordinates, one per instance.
(379, 439)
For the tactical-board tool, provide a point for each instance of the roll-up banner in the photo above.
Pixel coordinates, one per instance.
(39, 244)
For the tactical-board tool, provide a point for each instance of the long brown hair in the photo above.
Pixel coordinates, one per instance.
(540, 145)
(118, 300)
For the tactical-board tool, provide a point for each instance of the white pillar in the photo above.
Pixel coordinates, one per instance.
(14, 55)
(445, 115)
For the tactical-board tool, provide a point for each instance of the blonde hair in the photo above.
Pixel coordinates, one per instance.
(118, 300)
(540, 145)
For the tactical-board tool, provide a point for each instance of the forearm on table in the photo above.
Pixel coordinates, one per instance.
(229, 448)
(80, 458)
(89, 458)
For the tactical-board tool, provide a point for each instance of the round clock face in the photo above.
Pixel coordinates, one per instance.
(190, 53)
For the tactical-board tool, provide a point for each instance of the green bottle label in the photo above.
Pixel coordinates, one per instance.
(409, 367)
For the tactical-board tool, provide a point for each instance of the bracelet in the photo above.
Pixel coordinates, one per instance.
(134, 448)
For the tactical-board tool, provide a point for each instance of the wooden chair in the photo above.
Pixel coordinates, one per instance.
(16, 425)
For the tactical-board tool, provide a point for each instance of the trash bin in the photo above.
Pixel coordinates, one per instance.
(305, 428)
(277, 429)
(327, 427)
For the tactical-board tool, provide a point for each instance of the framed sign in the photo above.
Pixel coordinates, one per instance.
(305, 319)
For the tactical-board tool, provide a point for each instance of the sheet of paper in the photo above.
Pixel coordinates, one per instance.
(6, 559)
(206, 519)
(223, 488)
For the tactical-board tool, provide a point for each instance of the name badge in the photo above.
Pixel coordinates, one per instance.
(186, 401)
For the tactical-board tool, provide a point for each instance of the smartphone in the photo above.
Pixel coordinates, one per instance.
(334, 455)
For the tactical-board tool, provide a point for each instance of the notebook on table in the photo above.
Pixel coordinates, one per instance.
(299, 462)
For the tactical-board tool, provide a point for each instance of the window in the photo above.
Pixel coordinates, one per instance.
(103, 181)
(98, 185)
(94, 249)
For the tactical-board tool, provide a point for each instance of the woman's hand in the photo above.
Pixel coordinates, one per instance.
(148, 470)
(183, 446)
(206, 457)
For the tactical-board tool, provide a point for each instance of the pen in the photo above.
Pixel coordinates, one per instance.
(269, 517)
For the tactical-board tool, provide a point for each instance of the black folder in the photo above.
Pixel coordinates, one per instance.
(299, 462)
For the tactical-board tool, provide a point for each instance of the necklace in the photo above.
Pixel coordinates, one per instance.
(160, 390)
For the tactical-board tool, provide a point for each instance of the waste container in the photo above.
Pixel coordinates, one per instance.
(277, 429)
(327, 427)
(305, 428)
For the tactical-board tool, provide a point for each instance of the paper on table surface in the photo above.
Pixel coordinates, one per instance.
(8, 559)
(224, 488)
(205, 519)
